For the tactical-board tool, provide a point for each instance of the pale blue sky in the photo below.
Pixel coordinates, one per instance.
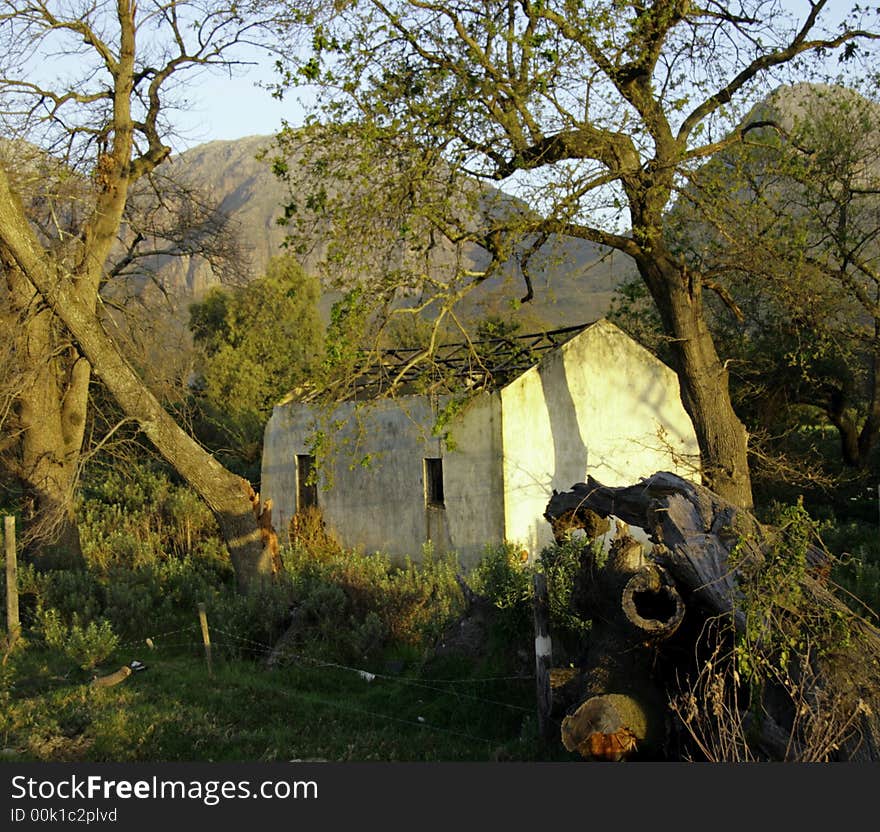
(230, 108)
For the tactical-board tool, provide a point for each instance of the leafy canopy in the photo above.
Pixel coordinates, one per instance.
(255, 344)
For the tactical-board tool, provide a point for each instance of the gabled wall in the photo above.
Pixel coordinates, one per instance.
(600, 405)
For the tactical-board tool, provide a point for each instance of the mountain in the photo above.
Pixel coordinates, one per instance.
(574, 280)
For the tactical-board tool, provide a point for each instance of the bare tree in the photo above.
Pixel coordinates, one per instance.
(107, 121)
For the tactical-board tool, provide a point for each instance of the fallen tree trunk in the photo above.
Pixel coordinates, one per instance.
(632, 608)
(715, 565)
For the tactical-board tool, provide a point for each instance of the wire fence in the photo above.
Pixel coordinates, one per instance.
(189, 637)
(186, 637)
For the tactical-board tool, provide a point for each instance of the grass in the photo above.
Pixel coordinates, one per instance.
(362, 682)
(175, 711)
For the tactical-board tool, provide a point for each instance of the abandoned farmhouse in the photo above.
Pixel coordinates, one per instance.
(590, 401)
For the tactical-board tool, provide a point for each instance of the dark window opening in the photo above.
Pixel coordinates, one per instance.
(434, 481)
(306, 482)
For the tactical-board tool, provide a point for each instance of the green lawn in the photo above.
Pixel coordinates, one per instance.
(174, 710)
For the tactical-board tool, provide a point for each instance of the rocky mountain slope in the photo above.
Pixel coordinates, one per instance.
(574, 284)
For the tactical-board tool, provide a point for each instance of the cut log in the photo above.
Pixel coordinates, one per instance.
(605, 728)
(706, 549)
(618, 710)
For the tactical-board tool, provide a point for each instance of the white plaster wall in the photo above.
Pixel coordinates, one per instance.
(380, 506)
(601, 405)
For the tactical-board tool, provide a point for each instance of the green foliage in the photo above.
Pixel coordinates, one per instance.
(503, 576)
(250, 625)
(137, 515)
(345, 332)
(353, 606)
(856, 546)
(789, 224)
(163, 595)
(86, 645)
(633, 310)
(784, 625)
(562, 563)
(255, 343)
(792, 654)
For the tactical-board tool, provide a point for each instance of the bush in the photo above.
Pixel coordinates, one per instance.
(562, 564)
(73, 593)
(248, 626)
(793, 650)
(352, 606)
(504, 577)
(85, 645)
(139, 516)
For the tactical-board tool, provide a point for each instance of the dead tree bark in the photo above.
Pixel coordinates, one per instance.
(633, 606)
(704, 550)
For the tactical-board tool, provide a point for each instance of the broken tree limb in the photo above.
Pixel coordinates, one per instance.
(112, 679)
(693, 529)
(819, 692)
(263, 515)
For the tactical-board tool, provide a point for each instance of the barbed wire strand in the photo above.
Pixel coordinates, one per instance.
(366, 674)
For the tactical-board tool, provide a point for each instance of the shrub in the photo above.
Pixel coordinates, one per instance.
(73, 593)
(249, 625)
(351, 606)
(789, 641)
(138, 516)
(562, 564)
(504, 577)
(86, 645)
(162, 595)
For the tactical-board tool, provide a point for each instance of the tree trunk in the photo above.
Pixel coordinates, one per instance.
(821, 697)
(622, 709)
(48, 472)
(705, 392)
(71, 298)
(229, 497)
(51, 406)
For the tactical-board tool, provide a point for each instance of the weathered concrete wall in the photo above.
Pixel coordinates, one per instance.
(600, 405)
(380, 505)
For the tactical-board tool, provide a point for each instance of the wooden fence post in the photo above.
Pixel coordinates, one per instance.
(13, 624)
(206, 637)
(543, 653)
